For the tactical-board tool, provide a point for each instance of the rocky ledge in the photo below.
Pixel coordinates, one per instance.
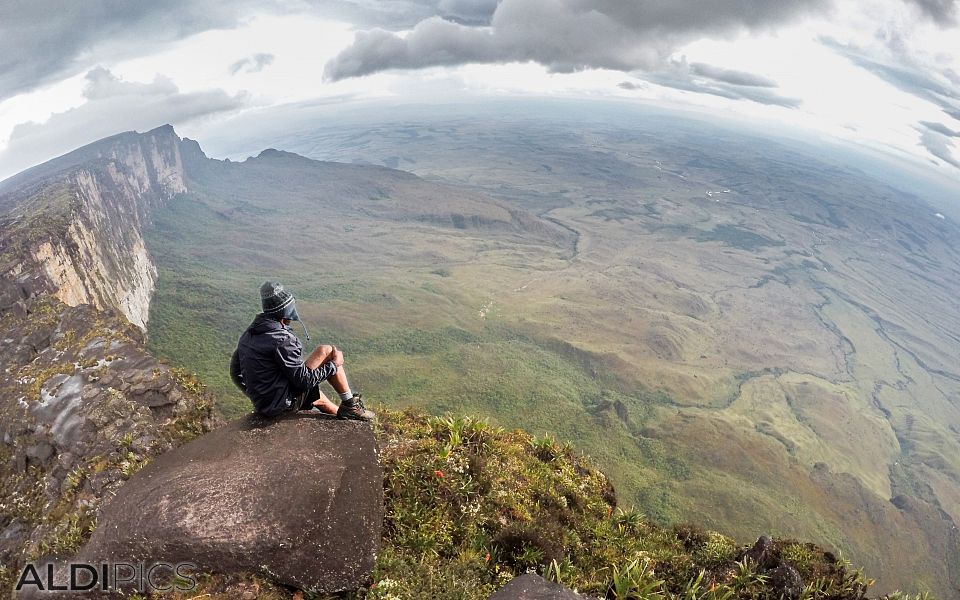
(82, 407)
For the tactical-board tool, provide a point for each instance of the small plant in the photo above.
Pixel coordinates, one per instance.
(530, 556)
(746, 577)
(636, 581)
(131, 464)
(188, 381)
(627, 519)
(545, 448)
(75, 478)
(68, 535)
(902, 596)
(457, 431)
(126, 441)
(559, 572)
(717, 550)
(691, 590)
(818, 588)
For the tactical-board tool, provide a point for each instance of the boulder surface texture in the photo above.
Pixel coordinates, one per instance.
(298, 499)
(533, 587)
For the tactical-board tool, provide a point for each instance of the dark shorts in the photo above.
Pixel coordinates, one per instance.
(307, 398)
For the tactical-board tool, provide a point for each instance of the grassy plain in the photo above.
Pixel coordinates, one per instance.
(742, 335)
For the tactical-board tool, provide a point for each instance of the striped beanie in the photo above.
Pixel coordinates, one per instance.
(278, 302)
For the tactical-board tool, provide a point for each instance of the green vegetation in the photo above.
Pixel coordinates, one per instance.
(469, 506)
(707, 351)
(433, 359)
(622, 330)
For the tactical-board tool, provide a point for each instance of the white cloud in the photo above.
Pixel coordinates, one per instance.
(752, 60)
(252, 64)
(44, 40)
(111, 105)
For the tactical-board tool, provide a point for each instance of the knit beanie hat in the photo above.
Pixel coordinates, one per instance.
(278, 302)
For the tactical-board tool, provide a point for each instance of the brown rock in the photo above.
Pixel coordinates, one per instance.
(762, 554)
(785, 581)
(533, 587)
(299, 499)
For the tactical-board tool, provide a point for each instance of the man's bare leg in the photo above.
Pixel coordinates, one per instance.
(326, 353)
(351, 407)
(324, 404)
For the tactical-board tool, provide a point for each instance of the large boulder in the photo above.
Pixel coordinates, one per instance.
(762, 554)
(297, 499)
(785, 581)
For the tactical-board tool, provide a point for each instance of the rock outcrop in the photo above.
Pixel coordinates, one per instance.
(784, 580)
(82, 406)
(533, 587)
(299, 500)
(78, 221)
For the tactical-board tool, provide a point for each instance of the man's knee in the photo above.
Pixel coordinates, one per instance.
(322, 353)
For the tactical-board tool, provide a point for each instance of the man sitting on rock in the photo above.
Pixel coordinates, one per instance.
(268, 364)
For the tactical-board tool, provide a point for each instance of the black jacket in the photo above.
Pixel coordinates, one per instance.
(268, 367)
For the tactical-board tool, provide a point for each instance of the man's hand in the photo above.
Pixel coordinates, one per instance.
(325, 353)
(336, 357)
(322, 354)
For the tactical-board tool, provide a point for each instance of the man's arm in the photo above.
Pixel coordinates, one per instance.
(290, 358)
(235, 373)
(324, 353)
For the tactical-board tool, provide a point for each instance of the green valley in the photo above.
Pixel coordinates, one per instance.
(739, 334)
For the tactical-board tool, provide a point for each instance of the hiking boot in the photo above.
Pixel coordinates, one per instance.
(354, 409)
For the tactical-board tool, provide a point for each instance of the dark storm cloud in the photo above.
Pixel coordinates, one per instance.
(679, 75)
(564, 35)
(940, 128)
(730, 76)
(112, 105)
(433, 42)
(939, 146)
(44, 40)
(942, 12)
(252, 64)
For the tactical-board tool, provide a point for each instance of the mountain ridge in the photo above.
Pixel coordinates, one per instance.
(103, 195)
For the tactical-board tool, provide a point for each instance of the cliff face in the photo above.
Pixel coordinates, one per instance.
(78, 221)
(82, 404)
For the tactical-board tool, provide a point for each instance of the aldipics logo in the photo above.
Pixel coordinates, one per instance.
(129, 577)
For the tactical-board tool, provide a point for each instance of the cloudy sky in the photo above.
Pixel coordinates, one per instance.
(877, 73)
